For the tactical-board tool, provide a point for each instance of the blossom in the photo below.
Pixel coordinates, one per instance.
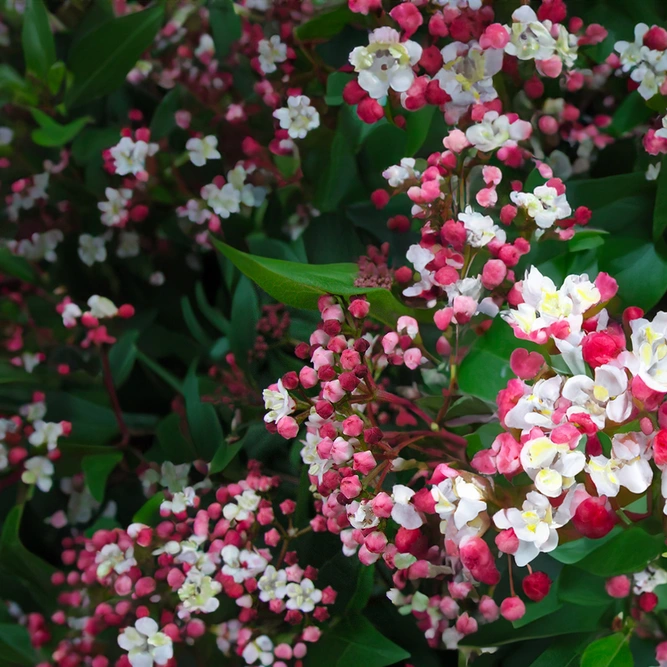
(302, 596)
(246, 504)
(404, 513)
(272, 584)
(271, 51)
(145, 644)
(179, 502)
(648, 358)
(278, 402)
(112, 558)
(260, 649)
(101, 307)
(385, 63)
(464, 500)
(397, 174)
(202, 150)
(242, 564)
(114, 213)
(130, 156)
(605, 397)
(480, 229)
(38, 471)
(198, 591)
(298, 117)
(92, 249)
(535, 525)
(71, 312)
(628, 466)
(420, 257)
(496, 131)
(544, 205)
(223, 200)
(537, 406)
(46, 433)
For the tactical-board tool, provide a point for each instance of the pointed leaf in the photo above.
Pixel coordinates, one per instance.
(39, 47)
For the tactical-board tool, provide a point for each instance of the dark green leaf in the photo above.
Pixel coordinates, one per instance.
(573, 552)
(149, 512)
(631, 113)
(354, 642)
(581, 588)
(96, 470)
(245, 315)
(339, 175)
(39, 48)
(417, 126)
(324, 25)
(18, 267)
(336, 81)
(225, 26)
(660, 211)
(101, 60)
(193, 324)
(611, 651)
(122, 356)
(56, 76)
(202, 419)
(564, 652)
(15, 645)
(172, 442)
(164, 117)
(51, 133)
(627, 552)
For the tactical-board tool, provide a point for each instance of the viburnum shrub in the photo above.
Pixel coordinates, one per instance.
(332, 333)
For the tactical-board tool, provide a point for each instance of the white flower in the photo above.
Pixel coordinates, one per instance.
(31, 411)
(112, 558)
(179, 502)
(535, 525)
(628, 466)
(604, 398)
(227, 635)
(544, 205)
(245, 505)
(38, 246)
(648, 580)
(130, 156)
(197, 593)
(224, 201)
(662, 132)
(303, 596)
(316, 465)
(71, 312)
(463, 500)
(101, 307)
(201, 150)
(496, 131)
(420, 257)
(550, 465)
(92, 249)
(653, 170)
(530, 39)
(397, 174)
(6, 136)
(632, 53)
(206, 47)
(536, 406)
(46, 433)
(114, 211)
(31, 361)
(385, 63)
(145, 644)
(278, 403)
(128, 245)
(480, 229)
(38, 471)
(361, 515)
(648, 358)
(259, 649)
(298, 117)
(4, 461)
(271, 51)
(467, 76)
(403, 512)
(272, 584)
(242, 564)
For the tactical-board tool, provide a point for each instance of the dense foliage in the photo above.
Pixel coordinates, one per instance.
(332, 333)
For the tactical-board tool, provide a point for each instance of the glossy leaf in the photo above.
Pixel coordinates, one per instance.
(96, 470)
(123, 356)
(324, 25)
(203, 420)
(39, 48)
(611, 651)
(225, 26)
(15, 645)
(660, 211)
(245, 315)
(101, 60)
(18, 267)
(51, 133)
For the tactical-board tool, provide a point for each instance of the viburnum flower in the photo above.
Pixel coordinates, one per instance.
(386, 63)
(648, 358)
(114, 211)
(397, 174)
(38, 472)
(130, 156)
(223, 200)
(480, 229)
(46, 433)
(278, 402)
(647, 67)
(602, 398)
(496, 131)
(458, 498)
(302, 596)
(101, 307)
(536, 407)
(544, 205)
(272, 584)
(260, 649)
(241, 564)
(145, 644)
(202, 150)
(271, 51)
(198, 593)
(298, 117)
(403, 512)
(92, 249)
(535, 525)
(112, 558)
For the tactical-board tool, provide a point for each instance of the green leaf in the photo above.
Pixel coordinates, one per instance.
(573, 552)
(336, 81)
(51, 133)
(627, 552)
(56, 76)
(202, 418)
(631, 112)
(101, 60)
(417, 126)
(213, 315)
(18, 267)
(325, 25)
(161, 372)
(660, 210)
(164, 116)
(579, 587)
(486, 368)
(39, 48)
(172, 442)
(339, 175)
(245, 315)
(193, 324)
(354, 642)
(363, 589)
(149, 512)
(122, 357)
(225, 26)
(564, 652)
(224, 456)
(15, 645)
(17, 560)
(611, 651)
(96, 470)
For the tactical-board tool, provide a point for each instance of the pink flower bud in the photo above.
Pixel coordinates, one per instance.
(364, 462)
(465, 624)
(594, 517)
(464, 308)
(551, 67)
(477, 558)
(287, 427)
(494, 37)
(443, 317)
(413, 358)
(350, 486)
(512, 609)
(382, 505)
(536, 586)
(507, 541)
(376, 542)
(493, 273)
(341, 451)
(408, 17)
(488, 609)
(456, 141)
(353, 426)
(607, 286)
(618, 587)
(524, 364)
